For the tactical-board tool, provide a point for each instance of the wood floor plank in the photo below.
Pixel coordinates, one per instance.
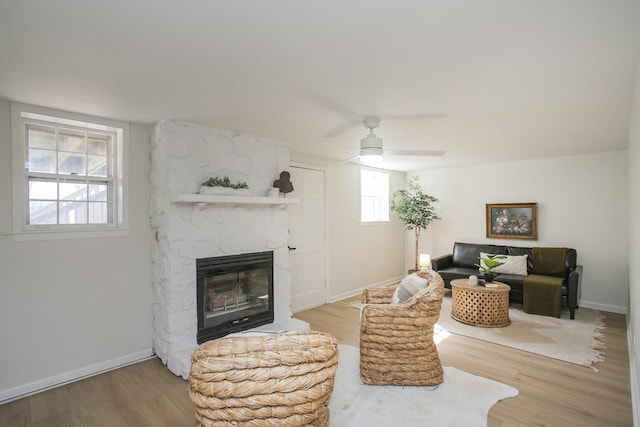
(552, 392)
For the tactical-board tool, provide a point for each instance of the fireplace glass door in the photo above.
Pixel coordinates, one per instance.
(235, 293)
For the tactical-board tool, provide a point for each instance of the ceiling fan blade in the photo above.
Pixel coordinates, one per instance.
(331, 105)
(346, 147)
(415, 116)
(350, 159)
(348, 125)
(340, 129)
(415, 152)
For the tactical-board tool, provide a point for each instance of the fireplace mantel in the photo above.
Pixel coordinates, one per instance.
(204, 199)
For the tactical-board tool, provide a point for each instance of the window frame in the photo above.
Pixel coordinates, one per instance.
(383, 220)
(21, 114)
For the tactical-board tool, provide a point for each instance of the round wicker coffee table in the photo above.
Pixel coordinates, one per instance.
(477, 305)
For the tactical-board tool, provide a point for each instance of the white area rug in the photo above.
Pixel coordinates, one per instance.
(461, 400)
(575, 341)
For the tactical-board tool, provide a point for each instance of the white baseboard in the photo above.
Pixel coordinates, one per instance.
(602, 307)
(358, 291)
(77, 374)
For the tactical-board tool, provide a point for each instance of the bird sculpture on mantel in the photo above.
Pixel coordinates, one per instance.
(284, 183)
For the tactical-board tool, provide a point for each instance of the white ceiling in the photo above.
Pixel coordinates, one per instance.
(517, 79)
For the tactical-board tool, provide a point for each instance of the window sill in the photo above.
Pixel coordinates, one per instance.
(27, 236)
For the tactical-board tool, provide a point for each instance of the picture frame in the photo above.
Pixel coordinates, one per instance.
(512, 221)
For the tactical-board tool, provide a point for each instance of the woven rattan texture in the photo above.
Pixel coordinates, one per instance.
(480, 306)
(396, 340)
(279, 379)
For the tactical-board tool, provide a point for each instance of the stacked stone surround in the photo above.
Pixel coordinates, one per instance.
(183, 156)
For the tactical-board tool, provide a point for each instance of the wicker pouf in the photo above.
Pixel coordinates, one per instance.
(275, 379)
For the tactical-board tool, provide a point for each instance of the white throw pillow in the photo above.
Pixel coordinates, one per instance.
(511, 264)
(410, 285)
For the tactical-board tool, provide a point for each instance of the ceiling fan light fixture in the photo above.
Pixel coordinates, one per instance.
(371, 149)
(370, 159)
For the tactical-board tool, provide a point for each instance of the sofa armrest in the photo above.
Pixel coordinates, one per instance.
(573, 286)
(442, 262)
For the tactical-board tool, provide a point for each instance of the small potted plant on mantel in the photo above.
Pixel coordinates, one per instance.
(487, 264)
(220, 186)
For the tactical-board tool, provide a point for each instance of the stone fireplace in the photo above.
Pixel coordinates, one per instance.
(183, 156)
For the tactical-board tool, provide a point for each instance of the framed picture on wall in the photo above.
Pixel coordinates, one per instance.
(512, 221)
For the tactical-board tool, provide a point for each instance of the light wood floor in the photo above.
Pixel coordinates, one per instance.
(552, 393)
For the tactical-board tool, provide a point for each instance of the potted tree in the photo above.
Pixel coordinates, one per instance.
(414, 208)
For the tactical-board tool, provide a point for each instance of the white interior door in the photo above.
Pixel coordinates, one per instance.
(307, 242)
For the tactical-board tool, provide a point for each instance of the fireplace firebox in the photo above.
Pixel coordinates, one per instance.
(234, 293)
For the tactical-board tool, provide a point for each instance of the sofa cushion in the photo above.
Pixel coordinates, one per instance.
(513, 280)
(452, 273)
(511, 264)
(460, 271)
(468, 254)
(572, 259)
(514, 250)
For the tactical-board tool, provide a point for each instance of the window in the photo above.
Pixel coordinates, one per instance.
(68, 173)
(374, 195)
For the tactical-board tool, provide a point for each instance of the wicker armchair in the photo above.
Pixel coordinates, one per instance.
(272, 379)
(396, 340)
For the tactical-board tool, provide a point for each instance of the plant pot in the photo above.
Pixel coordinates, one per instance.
(488, 277)
(224, 191)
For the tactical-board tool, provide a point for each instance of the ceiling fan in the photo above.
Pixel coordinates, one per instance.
(352, 118)
(371, 150)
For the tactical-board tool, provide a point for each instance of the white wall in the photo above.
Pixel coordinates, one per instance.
(633, 319)
(582, 204)
(72, 307)
(360, 255)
